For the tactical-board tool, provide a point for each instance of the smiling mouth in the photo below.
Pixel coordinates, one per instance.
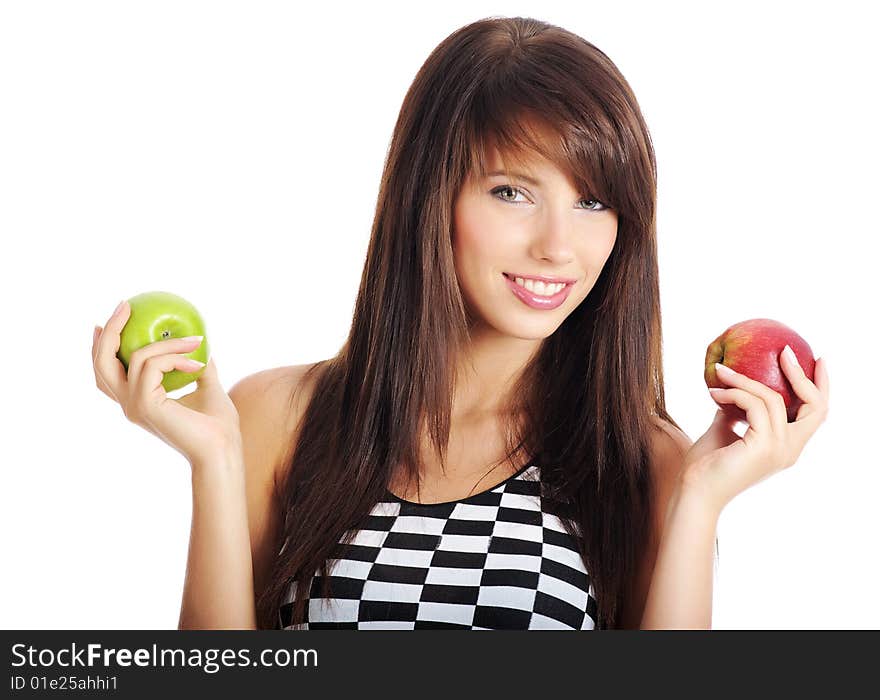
(537, 287)
(543, 299)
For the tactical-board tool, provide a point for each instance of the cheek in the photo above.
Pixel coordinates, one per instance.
(477, 236)
(479, 244)
(599, 244)
(593, 256)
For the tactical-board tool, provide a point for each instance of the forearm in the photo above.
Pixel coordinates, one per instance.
(218, 591)
(680, 595)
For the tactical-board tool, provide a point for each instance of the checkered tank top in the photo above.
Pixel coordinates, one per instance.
(500, 559)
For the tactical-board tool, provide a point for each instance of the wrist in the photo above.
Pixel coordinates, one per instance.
(226, 460)
(692, 493)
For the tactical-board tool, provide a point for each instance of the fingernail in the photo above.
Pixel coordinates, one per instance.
(119, 308)
(724, 370)
(789, 353)
(194, 338)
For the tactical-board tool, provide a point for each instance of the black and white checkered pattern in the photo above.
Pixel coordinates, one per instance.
(494, 560)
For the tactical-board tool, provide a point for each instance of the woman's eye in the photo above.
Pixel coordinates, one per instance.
(595, 201)
(506, 188)
(595, 206)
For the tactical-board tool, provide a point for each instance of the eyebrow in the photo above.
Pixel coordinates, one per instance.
(521, 176)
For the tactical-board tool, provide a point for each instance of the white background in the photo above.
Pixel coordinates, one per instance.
(231, 153)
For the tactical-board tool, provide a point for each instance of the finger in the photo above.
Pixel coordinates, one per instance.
(96, 334)
(149, 386)
(754, 406)
(109, 371)
(209, 378)
(96, 337)
(161, 347)
(726, 424)
(775, 404)
(805, 389)
(811, 416)
(822, 381)
(207, 383)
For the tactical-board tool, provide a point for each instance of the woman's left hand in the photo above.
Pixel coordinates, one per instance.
(722, 465)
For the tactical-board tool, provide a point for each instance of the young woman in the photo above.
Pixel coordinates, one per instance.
(490, 448)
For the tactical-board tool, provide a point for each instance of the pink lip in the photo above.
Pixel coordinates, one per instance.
(535, 301)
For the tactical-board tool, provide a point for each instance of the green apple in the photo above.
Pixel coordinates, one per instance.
(159, 316)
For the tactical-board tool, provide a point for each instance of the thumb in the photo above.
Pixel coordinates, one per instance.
(209, 378)
(723, 426)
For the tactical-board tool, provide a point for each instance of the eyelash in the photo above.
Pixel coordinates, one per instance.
(501, 188)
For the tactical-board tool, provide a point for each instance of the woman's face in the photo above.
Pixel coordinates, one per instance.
(526, 228)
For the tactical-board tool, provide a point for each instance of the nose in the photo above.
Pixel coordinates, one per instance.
(553, 239)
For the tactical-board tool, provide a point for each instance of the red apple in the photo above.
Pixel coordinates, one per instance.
(752, 348)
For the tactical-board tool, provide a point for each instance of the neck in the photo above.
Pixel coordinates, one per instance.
(486, 372)
(481, 415)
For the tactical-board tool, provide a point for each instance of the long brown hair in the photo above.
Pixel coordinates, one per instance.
(588, 393)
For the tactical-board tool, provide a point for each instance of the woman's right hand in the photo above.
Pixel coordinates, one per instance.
(202, 426)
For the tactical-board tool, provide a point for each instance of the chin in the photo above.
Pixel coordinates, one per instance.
(523, 330)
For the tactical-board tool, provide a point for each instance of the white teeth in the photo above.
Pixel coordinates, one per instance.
(540, 288)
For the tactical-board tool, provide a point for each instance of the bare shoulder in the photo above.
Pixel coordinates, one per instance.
(270, 403)
(669, 445)
(667, 441)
